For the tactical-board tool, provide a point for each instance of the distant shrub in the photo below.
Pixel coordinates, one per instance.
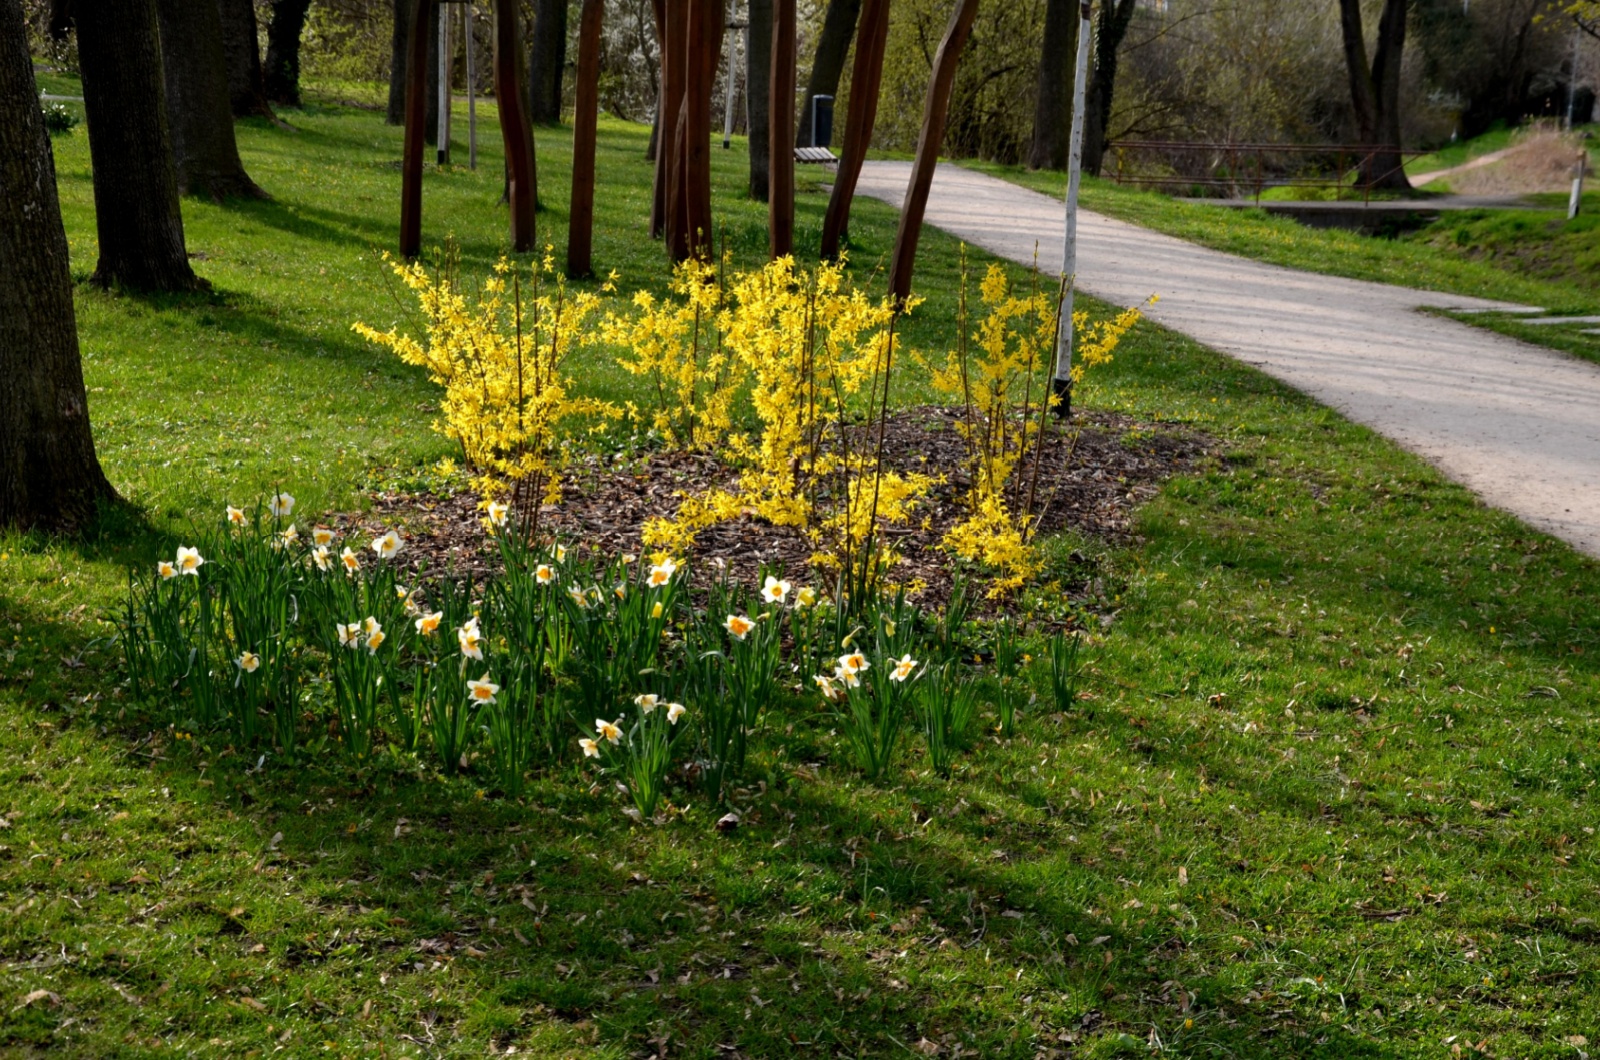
(58, 118)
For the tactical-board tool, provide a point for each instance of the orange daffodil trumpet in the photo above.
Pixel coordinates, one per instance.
(235, 515)
(591, 749)
(647, 702)
(482, 690)
(281, 505)
(322, 557)
(854, 663)
(249, 662)
(428, 624)
(806, 597)
(322, 537)
(166, 570)
(775, 591)
(351, 561)
(662, 573)
(471, 640)
(608, 730)
(349, 634)
(497, 512)
(738, 626)
(544, 574)
(289, 536)
(388, 546)
(189, 560)
(675, 711)
(903, 668)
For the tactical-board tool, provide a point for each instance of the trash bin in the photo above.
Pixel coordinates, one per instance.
(821, 121)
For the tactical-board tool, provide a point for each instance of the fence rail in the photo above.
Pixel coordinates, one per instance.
(1244, 169)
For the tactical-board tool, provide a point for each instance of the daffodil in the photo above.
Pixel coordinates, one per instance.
(647, 702)
(281, 505)
(846, 678)
(888, 627)
(825, 683)
(621, 589)
(235, 515)
(738, 626)
(322, 557)
(388, 546)
(428, 624)
(675, 711)
(662, 573)
(471, 640)
(497, 512)
(655, 612)
(903, 667)
(189, 560)
(166, 570)
(806, 597)
(590, 748)
(371, 625)
(558, 553)
(375, 640)
(248, 661)
(322, 536)
(289, 536)
(775, 591)
(607, 730)
(579, 597)
(351, 561)
(855, 662)
(482, 690)
(544, 574)
(349, 634)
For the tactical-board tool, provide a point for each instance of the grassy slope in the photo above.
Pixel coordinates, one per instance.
(1328, 798)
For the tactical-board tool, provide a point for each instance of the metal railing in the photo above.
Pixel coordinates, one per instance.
(1241, 170)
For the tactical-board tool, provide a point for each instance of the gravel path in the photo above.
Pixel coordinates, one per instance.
(1517, 424)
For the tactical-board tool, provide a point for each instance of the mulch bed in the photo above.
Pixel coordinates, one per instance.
(1091, 487)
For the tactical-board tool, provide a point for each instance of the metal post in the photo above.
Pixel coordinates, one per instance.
(472, 91)
(1062, 385)
(1575, 203)
(442, 155)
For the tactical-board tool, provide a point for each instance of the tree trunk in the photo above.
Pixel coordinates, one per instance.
(516, 133)
(137, 217)
(281, 77)
(1375, 91)
(1114, 21)
(780, 121)
(241, 51)
(49, 476)
(935, 110)
(706, 18)
(547, 58)
(866, 79)
(758, 72)
(1052, 109)
(674, 79)
(580, 220)
(657, 151)
(199, 117)
(430, 102)
(833, 46)
(395, 112)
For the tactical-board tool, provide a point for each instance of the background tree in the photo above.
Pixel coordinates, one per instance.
(1375, 89)
(241, 50)
(394, 112)
(199, 114)
(49, 475)
(758, 79)
(281, 75)
(137, 216)
(827, 65)
(1052, 108)
(547, 60)
(1110, 30)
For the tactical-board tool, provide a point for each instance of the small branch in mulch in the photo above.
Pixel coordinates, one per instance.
(1091, 487)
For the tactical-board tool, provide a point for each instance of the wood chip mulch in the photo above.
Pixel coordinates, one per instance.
(1091, 487)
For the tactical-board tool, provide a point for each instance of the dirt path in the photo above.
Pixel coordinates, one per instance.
(1492, 157)
(1517, 424)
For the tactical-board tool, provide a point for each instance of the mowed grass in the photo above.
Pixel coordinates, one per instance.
(1330, 792)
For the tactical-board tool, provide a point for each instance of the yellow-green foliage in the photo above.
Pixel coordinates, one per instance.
(501, 359)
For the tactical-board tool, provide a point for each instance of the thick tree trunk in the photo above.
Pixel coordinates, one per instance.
(137, 216)
(281, 76)
(1375, 91)
(49, 476)
(241, 51)
(833, 47)
(1052, 110)
(547, 59)
(706, 18)
(580, 220)
(395, 112)
(780, 121)
(758, 72)
(1113, 27)
(866, 79)
(674, 80)
(935, 111)
(199, 117)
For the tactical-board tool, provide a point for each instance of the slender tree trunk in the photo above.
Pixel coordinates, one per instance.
(547, 59)
(137, 216)
(705, 48)
(833, 47)
(430, 102)
(580, 221)
(516, 132)
(780, 120)
(1375, 90)
(1113, 28)
(657, 151)
(758, 74)
(866, 79)
(281, 76)
(49, 476)
(199, 116)
(242, 51)
(1052, 110)
(395, 112)
(935, 110)
(674, 81)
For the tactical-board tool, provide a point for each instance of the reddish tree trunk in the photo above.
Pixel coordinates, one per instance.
(780, 146)
(515, 130)
(866, 80)
(580, 221)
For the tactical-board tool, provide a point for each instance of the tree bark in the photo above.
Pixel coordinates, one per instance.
(758, 72)
(866, 80)
(580, 219)
(395, 112)
(199, 115)
(833, 47)
(780, 121)
(137, 216)
(516, 132)
(661, 132)
(1375, 91)
(1052, 110)
(547, 58)
(935, 111)
(49, 475)
(242, 52)
(281, 76)
(1113, 28)
(674, 81)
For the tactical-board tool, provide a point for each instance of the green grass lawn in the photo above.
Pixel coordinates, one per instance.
(1330, 793)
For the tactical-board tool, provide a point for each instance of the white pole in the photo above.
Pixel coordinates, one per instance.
(1575, 201)
(727, 90)
(472, 92)
(1062, 385)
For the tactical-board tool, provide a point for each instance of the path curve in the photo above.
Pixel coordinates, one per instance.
(1517, 424)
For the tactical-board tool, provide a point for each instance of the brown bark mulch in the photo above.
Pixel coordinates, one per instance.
(1091, 486)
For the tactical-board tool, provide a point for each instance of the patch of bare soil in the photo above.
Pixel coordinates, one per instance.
(1090, 485)
(1540, 160)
